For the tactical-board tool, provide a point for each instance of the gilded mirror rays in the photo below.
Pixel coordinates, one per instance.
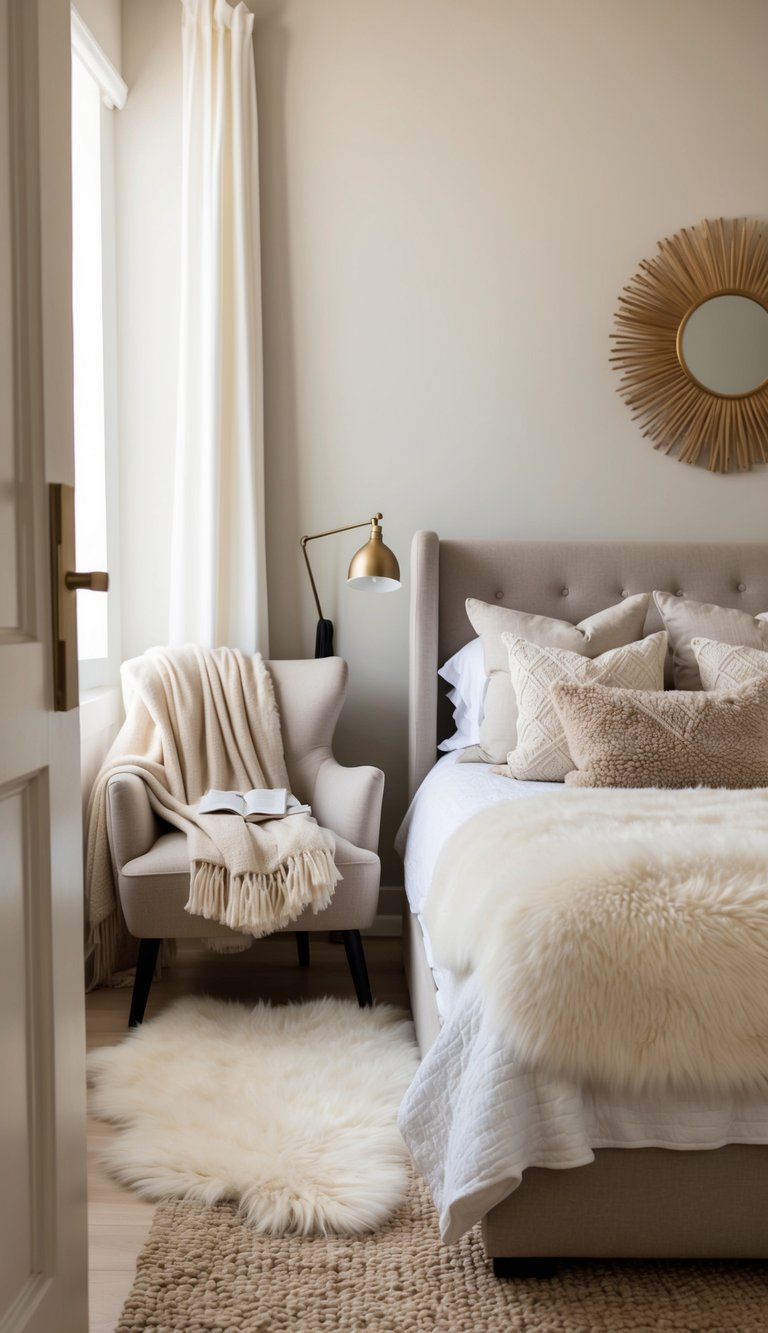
(691, 345)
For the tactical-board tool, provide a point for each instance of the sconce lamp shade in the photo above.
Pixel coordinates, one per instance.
(374, 567)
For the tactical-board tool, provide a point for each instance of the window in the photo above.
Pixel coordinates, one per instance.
(96, 89)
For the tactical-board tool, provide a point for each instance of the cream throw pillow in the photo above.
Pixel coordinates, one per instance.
(612, 628)
(542, 753)
(676, 738)
(723, 667)
(685, 620)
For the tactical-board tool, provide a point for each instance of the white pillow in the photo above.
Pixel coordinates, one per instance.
(465, 672)
(725, 667)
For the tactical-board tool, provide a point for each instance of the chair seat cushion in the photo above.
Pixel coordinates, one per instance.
(154, 888)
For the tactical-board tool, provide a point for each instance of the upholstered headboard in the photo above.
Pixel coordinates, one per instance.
(568, 580)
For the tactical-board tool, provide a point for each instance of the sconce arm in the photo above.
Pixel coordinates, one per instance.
(330, 533)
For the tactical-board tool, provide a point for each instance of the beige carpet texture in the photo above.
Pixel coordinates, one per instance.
(204, 1270)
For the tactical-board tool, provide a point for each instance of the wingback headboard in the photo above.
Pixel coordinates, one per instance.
(567, 580)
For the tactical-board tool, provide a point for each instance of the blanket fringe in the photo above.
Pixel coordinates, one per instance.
(262, 903)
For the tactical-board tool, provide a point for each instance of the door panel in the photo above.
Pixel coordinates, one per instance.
(9, 606)
(26, 1046)
(43, 1262)
(16, 1265)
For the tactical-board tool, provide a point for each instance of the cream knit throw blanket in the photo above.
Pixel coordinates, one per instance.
(199, 718)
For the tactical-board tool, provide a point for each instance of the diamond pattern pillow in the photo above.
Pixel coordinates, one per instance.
(610, 628)
(542, 752)
(684, 619)
(676, 738)
(723, 667)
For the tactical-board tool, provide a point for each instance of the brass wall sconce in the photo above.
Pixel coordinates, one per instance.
(373, 568)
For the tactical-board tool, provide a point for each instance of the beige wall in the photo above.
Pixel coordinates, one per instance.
(453, 194)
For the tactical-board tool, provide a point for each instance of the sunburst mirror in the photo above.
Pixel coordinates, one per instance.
(691, 345)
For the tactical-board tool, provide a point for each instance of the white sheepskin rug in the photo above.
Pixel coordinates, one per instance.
(619, 938)
(290, 1111)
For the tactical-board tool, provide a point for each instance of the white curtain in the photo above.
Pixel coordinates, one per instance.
(218, 561)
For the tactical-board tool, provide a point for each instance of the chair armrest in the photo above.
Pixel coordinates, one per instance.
(132, 825)
(348, 801)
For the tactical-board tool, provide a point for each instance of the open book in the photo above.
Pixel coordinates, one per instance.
(253, 806)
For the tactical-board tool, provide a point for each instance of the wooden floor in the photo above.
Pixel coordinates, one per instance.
(118, 1219)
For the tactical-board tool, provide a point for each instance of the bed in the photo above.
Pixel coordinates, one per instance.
(638, 1201)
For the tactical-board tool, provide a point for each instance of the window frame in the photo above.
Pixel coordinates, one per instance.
(96, 673)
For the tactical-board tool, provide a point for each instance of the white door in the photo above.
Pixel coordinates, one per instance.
(43, 1273)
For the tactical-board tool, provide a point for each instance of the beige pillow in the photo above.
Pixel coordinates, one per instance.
(723, 667)
(542, 752)
(685, 620)
(597, 634)
(675, 738)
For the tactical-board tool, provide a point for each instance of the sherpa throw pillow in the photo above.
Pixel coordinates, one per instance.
(673, 738)
(723, 667)
(612, 628)
(685, 620)
(542, 753)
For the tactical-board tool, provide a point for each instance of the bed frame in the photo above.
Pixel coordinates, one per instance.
(640, 1202)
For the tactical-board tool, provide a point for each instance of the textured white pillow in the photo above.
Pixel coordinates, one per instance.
(465, 671)
(611, 628)
(724, 667)
(542, 753)
(685, 620)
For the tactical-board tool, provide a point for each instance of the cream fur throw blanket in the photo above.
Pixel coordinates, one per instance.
(199, 718)
(619, 938)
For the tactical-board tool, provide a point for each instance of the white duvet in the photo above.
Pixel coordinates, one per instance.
(472, 1120)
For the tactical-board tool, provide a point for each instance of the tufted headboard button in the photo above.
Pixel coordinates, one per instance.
(680, 593)
(624, 593)
(741, 587)
(565, 592)
(498, 594)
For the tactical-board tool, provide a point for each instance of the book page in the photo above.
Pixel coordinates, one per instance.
(268, 801)
(221, 802)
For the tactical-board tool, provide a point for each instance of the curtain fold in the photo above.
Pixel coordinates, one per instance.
(218, 556)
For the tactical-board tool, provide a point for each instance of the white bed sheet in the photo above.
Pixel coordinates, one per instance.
(472, 1119)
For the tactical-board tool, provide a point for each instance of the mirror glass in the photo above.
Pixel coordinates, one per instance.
(723, 343)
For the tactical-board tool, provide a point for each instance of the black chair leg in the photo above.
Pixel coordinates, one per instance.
(353, 945)
(302, 945)
(145, 971)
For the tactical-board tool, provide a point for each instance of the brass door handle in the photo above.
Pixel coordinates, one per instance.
(65, 582)
(97, 581)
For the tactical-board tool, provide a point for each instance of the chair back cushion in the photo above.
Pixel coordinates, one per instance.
(310, 693)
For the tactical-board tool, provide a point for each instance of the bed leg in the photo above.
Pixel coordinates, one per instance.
(525, 1267)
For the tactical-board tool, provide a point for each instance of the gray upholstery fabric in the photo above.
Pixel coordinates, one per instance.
(154, 888)
(639, 1203)
(150, 860)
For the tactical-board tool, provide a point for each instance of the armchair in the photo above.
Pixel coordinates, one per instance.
(150, 859)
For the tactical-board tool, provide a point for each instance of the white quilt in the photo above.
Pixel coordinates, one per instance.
(474, 1122)
(473, 1119)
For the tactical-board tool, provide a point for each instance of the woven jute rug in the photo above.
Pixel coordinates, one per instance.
(204, 1270)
